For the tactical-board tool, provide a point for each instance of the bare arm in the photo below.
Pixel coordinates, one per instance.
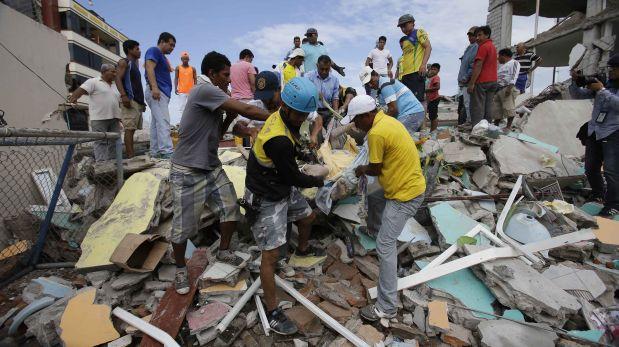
(392, 109)
(234, 107)
(195, 76)
(426, 56)
(389, 65)
(538, 62)
(149, 66)
(120, 72)
(78, 93)
(252, 82)
(176, 80)
(372, 169)
(368, 60)
(315, 130)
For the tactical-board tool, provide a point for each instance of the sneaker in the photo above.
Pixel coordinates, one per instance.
(608, 212)
(280, 323)
(311, 251)
(181, 281)
(165, 156)
(372, 313)
(228, 257)
(286, 269)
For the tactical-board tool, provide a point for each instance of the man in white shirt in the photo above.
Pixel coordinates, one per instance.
(505, 97)
(103, 108)
(380, 59)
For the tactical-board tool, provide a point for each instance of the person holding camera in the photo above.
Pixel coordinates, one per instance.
(602, 136)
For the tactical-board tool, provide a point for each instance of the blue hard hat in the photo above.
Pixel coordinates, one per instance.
(300, 94)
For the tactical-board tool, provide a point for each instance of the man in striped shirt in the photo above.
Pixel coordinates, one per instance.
(529, 61)
(505, 97)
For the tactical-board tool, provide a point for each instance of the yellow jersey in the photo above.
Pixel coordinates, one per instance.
(412, 55)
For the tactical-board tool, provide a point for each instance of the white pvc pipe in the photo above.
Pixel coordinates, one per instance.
(332, 323)
(223, 325)
(263, 315)
(146, 327)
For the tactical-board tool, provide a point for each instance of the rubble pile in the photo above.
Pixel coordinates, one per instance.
(504, 252)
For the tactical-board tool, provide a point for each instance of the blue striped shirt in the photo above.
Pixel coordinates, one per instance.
(394, 90)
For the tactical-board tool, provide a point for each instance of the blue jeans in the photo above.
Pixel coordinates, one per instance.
(521, 82)
(412, 122)
(603, 152)
(160, 140)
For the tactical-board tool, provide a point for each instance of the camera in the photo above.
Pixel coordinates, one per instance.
(585, 80)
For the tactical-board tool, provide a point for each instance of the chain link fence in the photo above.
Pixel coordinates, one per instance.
(52, 190)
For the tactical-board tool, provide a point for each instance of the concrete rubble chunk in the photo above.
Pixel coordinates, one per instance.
(342, 271)
(370, 335)
(458, 153)
(40, 287)
(419, 318)
(368, 267)
(458, 336)
(167, 272)
(339, 314)
(219, 272)
(227, 337)
(329, 293)
(206, 316)
(526, 289)
(450, 222)
(121, 342)
(151, 286)
(45, 324)
(575, 281)
(486, 179)
(504, 333)
(97, 278)
(306, 321)
(128, 279)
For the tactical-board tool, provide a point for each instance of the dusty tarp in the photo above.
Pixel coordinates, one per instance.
(132, 212)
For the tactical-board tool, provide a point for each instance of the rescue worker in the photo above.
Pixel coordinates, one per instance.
(272, 198)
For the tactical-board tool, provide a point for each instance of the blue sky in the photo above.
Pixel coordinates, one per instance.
(349, 29)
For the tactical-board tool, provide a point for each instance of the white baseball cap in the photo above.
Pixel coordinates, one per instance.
(297, 52)
(365, 75)
(359, 105)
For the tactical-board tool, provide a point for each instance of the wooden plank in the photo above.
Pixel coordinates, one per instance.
(172, 308)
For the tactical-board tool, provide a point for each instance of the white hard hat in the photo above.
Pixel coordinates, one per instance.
(359, 105)
(297, 52)
(365, 75)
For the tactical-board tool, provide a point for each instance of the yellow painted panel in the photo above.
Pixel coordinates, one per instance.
(85, 324)
(236, 174)
(131, 213)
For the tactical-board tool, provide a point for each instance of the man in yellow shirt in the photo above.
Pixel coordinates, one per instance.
(394, 159)
(292, 68)
(416, 51)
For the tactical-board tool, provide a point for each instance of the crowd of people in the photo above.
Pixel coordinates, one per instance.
(270, 107)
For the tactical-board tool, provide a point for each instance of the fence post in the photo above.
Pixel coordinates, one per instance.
(43, 229)
(119, 163)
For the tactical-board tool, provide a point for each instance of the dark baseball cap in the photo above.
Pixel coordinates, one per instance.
(311, 31)
(614, 61)
(405, 19)
(267, 83)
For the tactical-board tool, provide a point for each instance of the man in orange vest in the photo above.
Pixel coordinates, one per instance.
(185, 78)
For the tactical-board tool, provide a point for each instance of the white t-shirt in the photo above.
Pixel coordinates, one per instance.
(380, 59)
(104, 99)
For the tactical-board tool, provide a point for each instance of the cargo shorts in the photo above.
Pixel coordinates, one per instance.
(192, 191)
(270, 224)
(132, 117)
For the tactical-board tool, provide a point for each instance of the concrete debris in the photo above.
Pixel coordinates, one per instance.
(459, 154)
(370, 335)
(40, 287)
(128, 279)
(206, 316)
(578, 282)
(121, 342)
(97, 278)
(504, 333)
(486, 179)
(517, 285)
(307, 323)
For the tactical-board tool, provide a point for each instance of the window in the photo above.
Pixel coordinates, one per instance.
(73, 22)
(85, 57)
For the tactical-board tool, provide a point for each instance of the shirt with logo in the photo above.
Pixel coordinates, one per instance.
(412, 56)
(391, 145)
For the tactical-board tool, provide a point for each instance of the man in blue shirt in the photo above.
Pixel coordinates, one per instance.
(328, 87)
(602, 136)
(401, 102)
(157, 95)
(464, 75)
(313, 50)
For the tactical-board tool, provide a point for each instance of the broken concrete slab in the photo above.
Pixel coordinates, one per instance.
(530, 159)
(305, 320)
(128, 279)
(564, 117)
(132, 212)
(486, 179)
(121, 342)
(451, 223)
(414, 233)
(339, 314)
(578, 282)
(370, 335)
(466, 288)
(167, 272)
(206, 316)
(27, 311)
(97, 278)
(419, 318)
(45, 324)
(40, 287)
(224, 289)
(517, 285)
(86, 324)
(458, 336)
(504, 333)
(367, 266)
(219, 272)
(342, 271)
(460, 154)
(328, 293)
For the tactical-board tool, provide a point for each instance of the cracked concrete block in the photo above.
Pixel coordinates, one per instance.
(578, 282)
(128, 279)
(504, 333)
(517, 285)
(457, 153)
(97, 278)
(167, 273)
(486, 179)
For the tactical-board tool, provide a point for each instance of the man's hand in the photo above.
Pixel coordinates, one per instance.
(422, 70)
(156, 94)
(125, 100)
(470, 88)
(175, 91)
(253, 133)
(574, 74)
(596, 86)
(313, 141)
(360, 170)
